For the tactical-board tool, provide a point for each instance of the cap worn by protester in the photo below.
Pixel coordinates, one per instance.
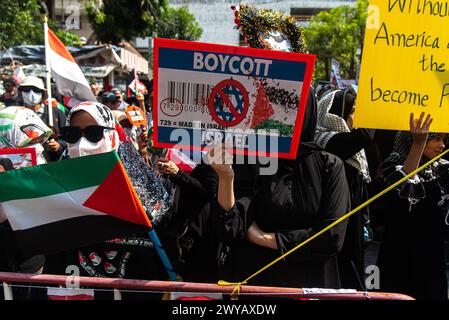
(119, 115)
(109, 97)
(32, 81)
(114, 90)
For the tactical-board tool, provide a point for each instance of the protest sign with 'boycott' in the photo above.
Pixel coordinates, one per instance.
(205, 94)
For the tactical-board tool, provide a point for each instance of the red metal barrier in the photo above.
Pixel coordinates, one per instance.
(169, 286)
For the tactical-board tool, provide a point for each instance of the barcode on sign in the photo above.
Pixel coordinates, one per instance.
(189, 93)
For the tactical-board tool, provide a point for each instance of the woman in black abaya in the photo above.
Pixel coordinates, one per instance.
(412, 258)
(256, 218)
(335, 133)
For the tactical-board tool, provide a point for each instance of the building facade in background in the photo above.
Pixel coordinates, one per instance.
(214, 16)
(217, 19)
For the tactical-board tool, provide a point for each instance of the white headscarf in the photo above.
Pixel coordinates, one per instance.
(329, 125)
(19, 126)
(104, 117)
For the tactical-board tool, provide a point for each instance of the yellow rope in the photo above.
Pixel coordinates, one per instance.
(236, 284)
(346, 216)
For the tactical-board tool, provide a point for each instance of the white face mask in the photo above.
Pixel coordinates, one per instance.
(85, 148)
(31, 98)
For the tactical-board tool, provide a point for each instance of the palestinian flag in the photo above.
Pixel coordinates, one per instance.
(134, 85)
(181, 160)
(70, 204)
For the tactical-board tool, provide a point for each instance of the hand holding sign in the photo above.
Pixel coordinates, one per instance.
(220, 159)
(142, 142)
(166, 166)
(136, 117)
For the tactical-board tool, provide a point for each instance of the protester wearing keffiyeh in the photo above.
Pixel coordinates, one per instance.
(332, 118)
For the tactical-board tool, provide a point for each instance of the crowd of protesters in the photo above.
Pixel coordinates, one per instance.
(226, 221)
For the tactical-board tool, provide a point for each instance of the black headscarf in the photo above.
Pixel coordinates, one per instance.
(310, 118)
(402, 144)
(342, 104)
(6, 163)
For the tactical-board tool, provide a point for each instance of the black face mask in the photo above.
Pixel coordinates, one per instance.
(72, 134)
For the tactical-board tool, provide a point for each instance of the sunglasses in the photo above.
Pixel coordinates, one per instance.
(28, 89)
(72, 134)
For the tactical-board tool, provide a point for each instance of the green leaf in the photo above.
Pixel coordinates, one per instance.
(337, 34)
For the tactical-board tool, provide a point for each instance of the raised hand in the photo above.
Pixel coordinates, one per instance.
(220, 159)
(419, 128)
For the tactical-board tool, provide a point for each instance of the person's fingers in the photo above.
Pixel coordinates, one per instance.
(426, 121)
(419, 124)
(217, 148)
(412, 121)
(227, 157)
(218, 158)
(428, 125)
(216, 154)
(228, 146)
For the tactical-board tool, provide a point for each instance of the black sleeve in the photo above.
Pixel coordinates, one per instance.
(334, 204)
(215, 224)
(202, 181)
(347, 144)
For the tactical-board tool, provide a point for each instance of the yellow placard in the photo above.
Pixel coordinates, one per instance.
(405, 65)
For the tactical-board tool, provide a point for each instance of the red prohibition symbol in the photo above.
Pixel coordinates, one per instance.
(236, 113)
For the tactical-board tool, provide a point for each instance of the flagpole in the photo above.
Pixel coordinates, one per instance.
(161, 252)
(48, 74)
(136, 82)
